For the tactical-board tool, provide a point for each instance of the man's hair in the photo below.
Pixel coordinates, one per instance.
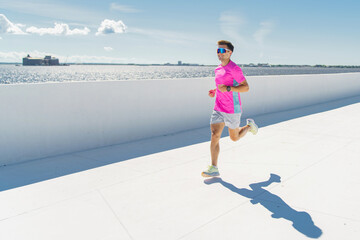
(227, 43)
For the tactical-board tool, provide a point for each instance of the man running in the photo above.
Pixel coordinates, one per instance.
(230, 82)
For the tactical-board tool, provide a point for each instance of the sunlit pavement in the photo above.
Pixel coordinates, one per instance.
(296, 179)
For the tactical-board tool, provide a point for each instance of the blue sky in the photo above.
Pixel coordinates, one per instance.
(139, 31)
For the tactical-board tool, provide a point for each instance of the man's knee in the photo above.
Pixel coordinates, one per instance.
(216, 131)
(233, 138)
(233, 134)
(215, 135)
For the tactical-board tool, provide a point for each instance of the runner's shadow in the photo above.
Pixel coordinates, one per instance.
(301, 220)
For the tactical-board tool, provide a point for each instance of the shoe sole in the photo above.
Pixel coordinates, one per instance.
(206, 175)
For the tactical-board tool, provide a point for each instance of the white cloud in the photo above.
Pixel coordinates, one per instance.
(58, 29)
(0, 38)
(8, 27)
(110, 26)
(231, 24)
(123, 8)
(20, 25)
(108, 49)
(264, 30)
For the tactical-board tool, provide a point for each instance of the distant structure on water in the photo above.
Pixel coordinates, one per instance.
(258, 65)
(180, 63)
(47, 61)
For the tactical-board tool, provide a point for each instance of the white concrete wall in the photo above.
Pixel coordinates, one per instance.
(279, 93)
(40, 120)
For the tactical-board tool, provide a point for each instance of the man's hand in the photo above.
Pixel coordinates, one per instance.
(222, 88)
(212, 93)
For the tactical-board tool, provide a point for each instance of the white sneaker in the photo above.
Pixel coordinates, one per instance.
(211, 172)
(253, 127)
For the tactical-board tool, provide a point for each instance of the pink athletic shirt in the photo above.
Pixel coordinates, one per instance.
(230, 75)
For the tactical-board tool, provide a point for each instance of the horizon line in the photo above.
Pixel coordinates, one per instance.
(200, 65)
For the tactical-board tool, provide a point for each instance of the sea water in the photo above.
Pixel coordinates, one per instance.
(12, 74)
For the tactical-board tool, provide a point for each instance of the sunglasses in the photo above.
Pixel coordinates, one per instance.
(222, 50)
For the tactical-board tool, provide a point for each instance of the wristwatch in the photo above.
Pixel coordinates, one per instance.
(228, 88)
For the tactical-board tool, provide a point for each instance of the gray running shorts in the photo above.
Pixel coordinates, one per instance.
(231, 120)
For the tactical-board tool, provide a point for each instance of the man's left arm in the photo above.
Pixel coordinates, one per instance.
(243, 87)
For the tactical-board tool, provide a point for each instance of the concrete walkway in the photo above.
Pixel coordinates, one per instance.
(296, 179)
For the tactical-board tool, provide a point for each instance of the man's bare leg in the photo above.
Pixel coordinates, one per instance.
(236, 134)
(216, 130)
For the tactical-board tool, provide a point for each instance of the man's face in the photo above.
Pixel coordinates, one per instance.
(226, 55)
